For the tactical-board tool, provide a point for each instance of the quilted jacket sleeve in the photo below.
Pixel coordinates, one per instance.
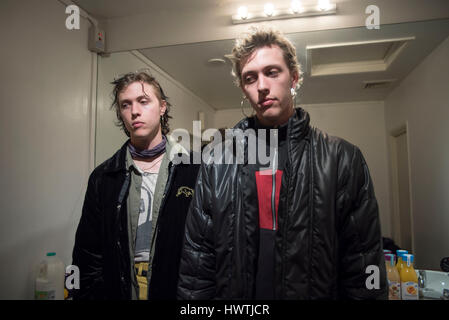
(87, 252)
(362, 272)
(197, 266)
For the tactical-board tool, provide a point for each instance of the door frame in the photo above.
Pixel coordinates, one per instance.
(395, 217)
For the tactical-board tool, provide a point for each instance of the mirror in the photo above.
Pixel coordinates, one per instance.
(383, 90)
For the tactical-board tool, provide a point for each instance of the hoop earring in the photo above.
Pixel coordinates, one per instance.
(241, 106)
(293, 92)
(293, 95)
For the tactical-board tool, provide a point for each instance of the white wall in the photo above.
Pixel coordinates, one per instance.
(45, 105)
(228, 118)
(422, 100)
(361, 123)
(184, 110)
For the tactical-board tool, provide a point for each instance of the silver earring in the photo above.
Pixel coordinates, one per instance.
(293, 92)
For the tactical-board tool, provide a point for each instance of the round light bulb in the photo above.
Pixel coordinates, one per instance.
(296, 6)
(324, 5)
(243, 12)
(269, 9)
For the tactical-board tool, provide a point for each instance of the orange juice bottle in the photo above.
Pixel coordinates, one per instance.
(409, 280)
(394, 280)
(400, 261)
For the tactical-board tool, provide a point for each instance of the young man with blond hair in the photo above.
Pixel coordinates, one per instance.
(307, 228)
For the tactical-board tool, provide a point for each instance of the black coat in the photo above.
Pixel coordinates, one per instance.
(329, 229)
(101, 248)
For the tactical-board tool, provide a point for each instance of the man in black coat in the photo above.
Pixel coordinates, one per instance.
(129, 238)
(306, 227)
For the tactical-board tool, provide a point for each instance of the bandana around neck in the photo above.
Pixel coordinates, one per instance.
(147, 154)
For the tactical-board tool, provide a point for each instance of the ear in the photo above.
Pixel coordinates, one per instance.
(244, 96)
(163, 107)
(295, 79)
(120, 114)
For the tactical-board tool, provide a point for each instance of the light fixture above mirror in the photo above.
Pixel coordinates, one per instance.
(296, 10)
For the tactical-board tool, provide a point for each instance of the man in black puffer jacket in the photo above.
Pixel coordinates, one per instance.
(306, 229)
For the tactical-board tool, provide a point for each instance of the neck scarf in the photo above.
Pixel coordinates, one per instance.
(147, 154)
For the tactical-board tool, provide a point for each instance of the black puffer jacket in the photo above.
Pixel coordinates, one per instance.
(329, 230)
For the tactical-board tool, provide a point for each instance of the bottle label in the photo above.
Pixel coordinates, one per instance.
(409, 291)
(45, 295)
(394, 290)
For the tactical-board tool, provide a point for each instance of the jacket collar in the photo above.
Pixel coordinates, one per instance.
(298, 124)
(118, 161)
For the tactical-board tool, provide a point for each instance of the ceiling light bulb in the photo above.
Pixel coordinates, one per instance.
(324, 5)
(269, 9)
(296, 6)
(243, 12)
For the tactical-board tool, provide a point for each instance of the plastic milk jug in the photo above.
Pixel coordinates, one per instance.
(49, 283)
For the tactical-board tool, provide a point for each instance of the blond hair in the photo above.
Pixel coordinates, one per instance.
(257, 38)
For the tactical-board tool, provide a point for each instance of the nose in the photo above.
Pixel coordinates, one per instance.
(135, 109)
(262, 85)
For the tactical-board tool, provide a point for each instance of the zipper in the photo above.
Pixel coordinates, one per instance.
(240, 286)
(273, 184)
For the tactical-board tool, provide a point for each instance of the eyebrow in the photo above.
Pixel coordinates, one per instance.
(138, 98)
(277, 66)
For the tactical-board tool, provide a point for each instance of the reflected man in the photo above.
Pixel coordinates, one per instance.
(129, 238)
(308, 228)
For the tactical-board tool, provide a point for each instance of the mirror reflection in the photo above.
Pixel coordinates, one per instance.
(384, 90)
(380, 90)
